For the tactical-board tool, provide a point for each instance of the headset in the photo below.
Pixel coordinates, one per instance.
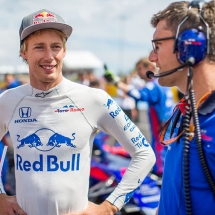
(191, 47)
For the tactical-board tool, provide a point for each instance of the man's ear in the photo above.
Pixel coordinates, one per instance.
(23, 55)
(64, 54)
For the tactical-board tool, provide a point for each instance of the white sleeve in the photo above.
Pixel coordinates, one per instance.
(115, 122)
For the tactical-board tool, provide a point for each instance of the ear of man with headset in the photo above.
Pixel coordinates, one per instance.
(191, 47)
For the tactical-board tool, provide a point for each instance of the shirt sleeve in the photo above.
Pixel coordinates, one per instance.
(112, 120)
(149, 93)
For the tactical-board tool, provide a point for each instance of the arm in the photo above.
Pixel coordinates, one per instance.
(106, 115)
(132, 91)
(123, 86)
(112, 120)
(149, 93)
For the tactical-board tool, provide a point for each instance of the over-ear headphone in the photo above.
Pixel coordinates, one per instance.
(192, 43)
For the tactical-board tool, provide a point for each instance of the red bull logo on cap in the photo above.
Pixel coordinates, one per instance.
(44, 17)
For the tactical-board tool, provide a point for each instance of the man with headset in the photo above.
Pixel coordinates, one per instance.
(184, 52)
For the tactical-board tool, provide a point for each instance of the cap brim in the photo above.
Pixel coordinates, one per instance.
(66, 29)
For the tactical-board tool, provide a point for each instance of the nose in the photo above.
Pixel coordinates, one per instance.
(153, 56)
(48, 55)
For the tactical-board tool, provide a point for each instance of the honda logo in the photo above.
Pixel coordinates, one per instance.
(25, 112)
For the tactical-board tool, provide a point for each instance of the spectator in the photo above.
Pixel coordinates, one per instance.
(11, 81)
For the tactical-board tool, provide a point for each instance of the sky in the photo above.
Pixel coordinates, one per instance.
(118, 32)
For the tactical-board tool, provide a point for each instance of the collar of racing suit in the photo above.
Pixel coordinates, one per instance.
(49, 93)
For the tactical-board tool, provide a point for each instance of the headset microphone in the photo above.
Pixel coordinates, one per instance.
(190, 61)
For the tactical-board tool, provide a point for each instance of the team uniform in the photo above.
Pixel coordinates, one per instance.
(52, 133)
(161, 103)
(172, 194)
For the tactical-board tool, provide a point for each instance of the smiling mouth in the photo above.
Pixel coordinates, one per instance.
(48, 67)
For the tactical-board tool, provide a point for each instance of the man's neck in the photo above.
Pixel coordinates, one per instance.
(45, 86)
(203, 79)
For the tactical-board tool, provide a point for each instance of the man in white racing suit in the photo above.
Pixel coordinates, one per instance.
(52, 123)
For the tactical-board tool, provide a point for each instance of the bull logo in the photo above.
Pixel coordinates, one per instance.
(45, 140)
(44, 17)
(58, 139)
(109, 103)
(32, 140)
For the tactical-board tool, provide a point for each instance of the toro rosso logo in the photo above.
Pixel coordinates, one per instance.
(45, 140)
(67, 109)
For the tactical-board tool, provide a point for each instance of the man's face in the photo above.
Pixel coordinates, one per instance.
(164, 57)
(44, 56)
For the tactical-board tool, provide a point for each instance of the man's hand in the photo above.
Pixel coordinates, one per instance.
(9, 206)
(106, 208)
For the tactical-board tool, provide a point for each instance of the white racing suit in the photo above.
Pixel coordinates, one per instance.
(52, 134)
